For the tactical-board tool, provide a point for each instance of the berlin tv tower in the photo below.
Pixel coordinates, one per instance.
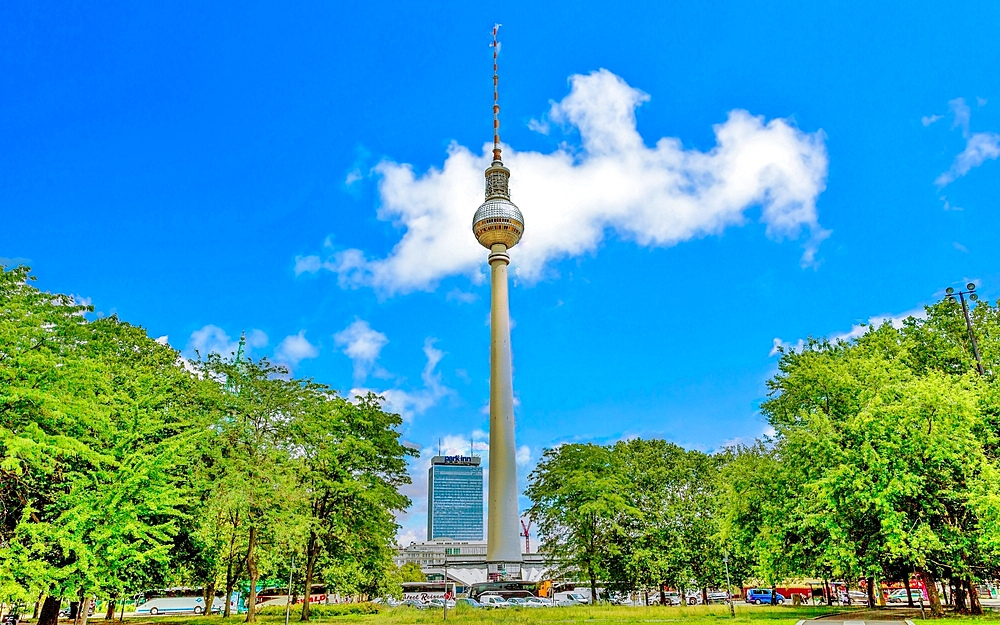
(498, 226)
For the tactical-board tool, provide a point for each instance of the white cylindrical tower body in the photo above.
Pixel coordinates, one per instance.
(502, 537)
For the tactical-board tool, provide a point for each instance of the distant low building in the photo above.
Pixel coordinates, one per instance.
(465, 561)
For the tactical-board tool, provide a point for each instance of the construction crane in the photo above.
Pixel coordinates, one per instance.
(525, 533)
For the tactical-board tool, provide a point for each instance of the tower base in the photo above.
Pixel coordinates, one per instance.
(503, 571)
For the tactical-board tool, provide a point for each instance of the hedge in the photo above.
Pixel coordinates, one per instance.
(323, 609)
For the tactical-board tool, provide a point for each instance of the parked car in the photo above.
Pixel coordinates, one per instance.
(438, 602)
(537, 602)
(493, 601)
(415, 603)
(718, 597)
(899, 596)
(693, 598)
(758, 596)
(672, 598)
(468, 602)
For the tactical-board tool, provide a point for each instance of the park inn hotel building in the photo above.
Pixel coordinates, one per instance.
(455, 498)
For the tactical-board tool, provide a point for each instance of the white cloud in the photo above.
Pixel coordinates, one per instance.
(353, 176)
(857, 330)
(656, 196)
(213, 339)
(163, 340)
(411, 403)
(927, 120)
(780, 345)
(362, 345)
(460, 296)
(958, 246)
(295, 348)
(979, 146)
(896, 321)
(307, 264)
(523, 457)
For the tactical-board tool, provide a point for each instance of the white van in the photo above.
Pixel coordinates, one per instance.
(570, 598)
(178, 605)
(493, 601)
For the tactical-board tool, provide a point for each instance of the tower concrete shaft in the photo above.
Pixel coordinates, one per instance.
(502, 537)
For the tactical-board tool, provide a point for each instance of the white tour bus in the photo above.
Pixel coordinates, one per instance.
(177, 605)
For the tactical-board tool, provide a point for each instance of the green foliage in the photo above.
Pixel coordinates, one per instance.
(124, 467)
(635, 515)
(410, 572)
(883, 462)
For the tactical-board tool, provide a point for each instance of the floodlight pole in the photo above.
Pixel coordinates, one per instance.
(288, 601)
(971, 292)
(729, 587)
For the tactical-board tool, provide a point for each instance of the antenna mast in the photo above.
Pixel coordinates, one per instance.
(496, 96)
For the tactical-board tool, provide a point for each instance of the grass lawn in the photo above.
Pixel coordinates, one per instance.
(695, 615)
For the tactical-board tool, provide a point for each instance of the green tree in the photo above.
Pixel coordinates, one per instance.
(410, 572)
(578, 503)
(255, 490)
(351, 467)
(92, 418)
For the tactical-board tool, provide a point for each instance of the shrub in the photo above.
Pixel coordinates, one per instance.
(323, 609)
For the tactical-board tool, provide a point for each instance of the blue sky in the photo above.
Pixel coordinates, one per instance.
(698, 182)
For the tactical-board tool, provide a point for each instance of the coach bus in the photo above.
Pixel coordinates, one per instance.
(425, 591)
(512, 588)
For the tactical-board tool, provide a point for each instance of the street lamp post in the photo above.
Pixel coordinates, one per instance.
(729, 586)
(971, 292)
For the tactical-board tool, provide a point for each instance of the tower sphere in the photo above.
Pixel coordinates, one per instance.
(498, 220)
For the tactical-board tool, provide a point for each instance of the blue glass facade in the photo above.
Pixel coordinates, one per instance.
(455, 498)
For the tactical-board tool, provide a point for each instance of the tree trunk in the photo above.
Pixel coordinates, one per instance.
(958, 596)
(704, 595)
(975, 607)
(593, 585)
(774, 595)
(311, 554)
(909, 595)
(828, 593)
(209, 598)
(663, 594)
(251, 564)
(932, 593)
(84, 610)
(944, 594)
(110, 614)
(38, 604)
(49, 614)
(870, 582)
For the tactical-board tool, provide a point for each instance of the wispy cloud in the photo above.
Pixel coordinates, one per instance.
(857, 330)
(411, 403)
(295, 348)
(979, 146)
(362, 344)
(213, 339)
(656, 196)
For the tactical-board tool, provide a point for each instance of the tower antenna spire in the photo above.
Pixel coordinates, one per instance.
(496, 96)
